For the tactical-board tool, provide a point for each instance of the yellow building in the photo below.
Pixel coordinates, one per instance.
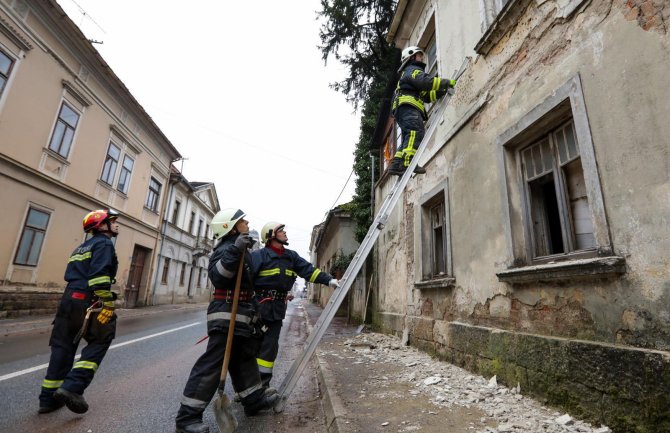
(72, 139)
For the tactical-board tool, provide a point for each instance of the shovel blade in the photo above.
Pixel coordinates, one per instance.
(223, 413)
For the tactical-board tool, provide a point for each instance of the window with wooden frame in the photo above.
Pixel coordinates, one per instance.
(63, 133)
(435, 238)
(557, 205)
(111, 162)
(32, 237)
(153, 195)
(126, 171)
(556, 227)
(6, 64)
(166, 270)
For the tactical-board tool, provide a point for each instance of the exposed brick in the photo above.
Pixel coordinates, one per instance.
(632, 14)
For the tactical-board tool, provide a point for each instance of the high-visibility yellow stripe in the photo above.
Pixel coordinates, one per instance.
(433, 96)
(290, 273)
(86, 365)
(51, 384)
(99, 280)
(314, 275)
(411, 100)
(436, 83)
(415, 73)
(264, 363)
(268, 272)
(80, 257)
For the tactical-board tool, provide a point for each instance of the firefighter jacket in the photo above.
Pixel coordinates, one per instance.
(416, 87)
(223, 266)
(93, 265)
(274, 275)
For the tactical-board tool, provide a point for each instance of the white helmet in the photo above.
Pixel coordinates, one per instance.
(409, 52)
(224, 221)
(270, 230)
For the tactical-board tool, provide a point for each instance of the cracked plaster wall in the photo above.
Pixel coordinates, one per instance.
(621, 50)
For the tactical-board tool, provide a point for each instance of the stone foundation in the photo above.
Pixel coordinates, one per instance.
(626, 388)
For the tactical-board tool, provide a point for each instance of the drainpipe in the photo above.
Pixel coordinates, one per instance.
(163, 233)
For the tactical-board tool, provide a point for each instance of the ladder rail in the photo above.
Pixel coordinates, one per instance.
(378, 224)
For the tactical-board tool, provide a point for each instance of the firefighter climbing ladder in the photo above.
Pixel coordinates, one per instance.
(289, 382)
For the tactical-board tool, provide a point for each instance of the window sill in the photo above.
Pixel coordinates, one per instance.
(105, 185)
(57, 156)
(438, 283)
(599, 267)
(148, 209)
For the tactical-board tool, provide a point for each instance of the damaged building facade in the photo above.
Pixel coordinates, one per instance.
(537, 246)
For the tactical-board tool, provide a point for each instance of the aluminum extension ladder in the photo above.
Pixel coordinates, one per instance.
(319, 329)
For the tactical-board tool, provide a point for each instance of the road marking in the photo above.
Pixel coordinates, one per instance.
(114, 346)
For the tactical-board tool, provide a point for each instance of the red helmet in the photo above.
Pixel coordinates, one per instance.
(93, 220)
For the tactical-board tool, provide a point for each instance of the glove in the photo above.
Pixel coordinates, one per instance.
(333, 284)
(243, 241)
(105, 315)
(107, 298)
(452, 83)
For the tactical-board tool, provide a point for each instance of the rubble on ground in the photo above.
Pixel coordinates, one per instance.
(448, 385)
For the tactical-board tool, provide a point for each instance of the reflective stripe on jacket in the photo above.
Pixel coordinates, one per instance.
(416, 87)
(93, 265)
(223, 266)
(277, 272)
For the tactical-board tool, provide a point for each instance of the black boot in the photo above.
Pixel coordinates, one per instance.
(396, 168)
(265, 402)
(198, 427)
(50, 407)
(75, 402)
(419, 170)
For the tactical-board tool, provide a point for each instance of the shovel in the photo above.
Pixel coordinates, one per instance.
(223, 413)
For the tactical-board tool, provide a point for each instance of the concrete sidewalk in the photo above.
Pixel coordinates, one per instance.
(372, 383)
(33, 323)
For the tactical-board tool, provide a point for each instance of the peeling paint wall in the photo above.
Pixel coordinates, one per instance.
(621, 52)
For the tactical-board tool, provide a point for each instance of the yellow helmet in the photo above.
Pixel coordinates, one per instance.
(269, 230)
(224, 221)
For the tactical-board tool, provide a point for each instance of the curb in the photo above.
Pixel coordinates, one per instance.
(333, 407)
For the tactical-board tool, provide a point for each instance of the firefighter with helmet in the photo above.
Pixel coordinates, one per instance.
(86, 310)
(415, 87)
(232, 232)
(275, 269)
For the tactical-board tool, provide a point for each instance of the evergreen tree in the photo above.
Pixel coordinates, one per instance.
(354, 33)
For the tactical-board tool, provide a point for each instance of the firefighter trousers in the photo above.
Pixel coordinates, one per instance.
(204, 378)
(269, 350)
(412, 129)
(62, 371)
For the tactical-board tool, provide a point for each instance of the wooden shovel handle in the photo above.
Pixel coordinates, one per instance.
(231, 326)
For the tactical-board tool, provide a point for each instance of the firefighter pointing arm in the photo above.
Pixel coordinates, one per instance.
(275, 269)
(85, 310)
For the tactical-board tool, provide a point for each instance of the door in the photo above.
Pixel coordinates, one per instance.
(140, 255)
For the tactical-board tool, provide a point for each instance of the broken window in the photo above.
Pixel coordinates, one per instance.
(557, 203)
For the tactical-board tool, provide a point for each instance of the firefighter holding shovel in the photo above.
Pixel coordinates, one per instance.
(234, 309)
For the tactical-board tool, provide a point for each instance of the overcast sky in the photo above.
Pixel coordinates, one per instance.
(240, 89)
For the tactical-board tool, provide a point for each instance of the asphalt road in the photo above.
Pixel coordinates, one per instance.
(139, 383)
